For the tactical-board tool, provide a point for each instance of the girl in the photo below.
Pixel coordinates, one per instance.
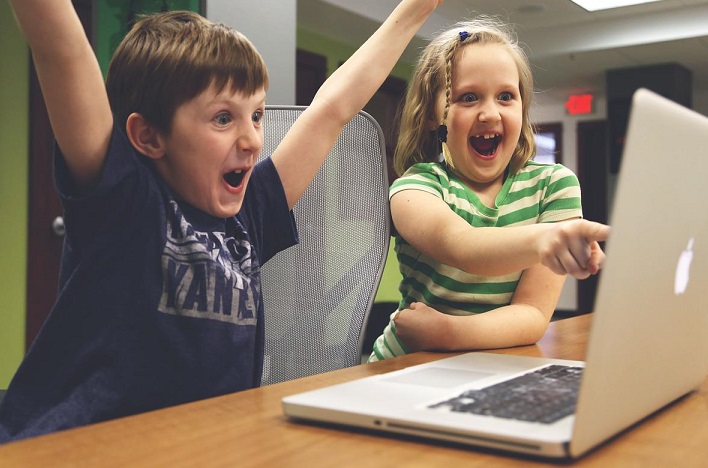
(480, 248)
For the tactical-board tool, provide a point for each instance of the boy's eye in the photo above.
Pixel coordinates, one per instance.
(223, 118)
(257, 117)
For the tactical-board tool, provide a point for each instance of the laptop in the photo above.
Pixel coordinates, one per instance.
(648, 343)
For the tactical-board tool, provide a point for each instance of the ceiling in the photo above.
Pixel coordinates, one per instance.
(569, 47)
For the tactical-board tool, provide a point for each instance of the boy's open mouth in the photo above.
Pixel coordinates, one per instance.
(486, 145)
(234, 178)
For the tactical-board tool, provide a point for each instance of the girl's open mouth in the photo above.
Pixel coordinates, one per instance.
(486, 145)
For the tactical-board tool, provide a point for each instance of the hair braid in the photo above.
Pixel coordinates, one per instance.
(449, 60)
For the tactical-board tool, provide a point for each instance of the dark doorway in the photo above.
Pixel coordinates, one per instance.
(593, 157)
(385, 106)
(310, 73)
(549, 143)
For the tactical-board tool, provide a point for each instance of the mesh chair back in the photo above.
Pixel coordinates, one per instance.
(317, 294)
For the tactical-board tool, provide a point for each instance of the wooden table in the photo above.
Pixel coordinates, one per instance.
(248, 429)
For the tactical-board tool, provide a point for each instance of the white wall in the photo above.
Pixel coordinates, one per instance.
(548, 110)
(271, 26)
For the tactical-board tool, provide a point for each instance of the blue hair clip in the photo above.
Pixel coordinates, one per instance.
(464, 35)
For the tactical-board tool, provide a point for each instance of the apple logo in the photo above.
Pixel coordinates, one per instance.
(682, 269)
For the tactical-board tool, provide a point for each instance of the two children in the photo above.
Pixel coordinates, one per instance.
(168, 216)
(478, 238)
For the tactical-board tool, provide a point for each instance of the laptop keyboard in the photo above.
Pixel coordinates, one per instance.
(545, 395)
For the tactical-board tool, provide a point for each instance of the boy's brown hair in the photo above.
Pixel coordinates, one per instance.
(167, 59)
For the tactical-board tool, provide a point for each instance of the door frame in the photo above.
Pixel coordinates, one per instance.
(44, 246)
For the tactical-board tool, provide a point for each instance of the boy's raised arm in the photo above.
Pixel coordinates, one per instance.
(346, 91)
(71, 82)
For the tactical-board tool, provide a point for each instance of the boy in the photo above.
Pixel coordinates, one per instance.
(159, 300)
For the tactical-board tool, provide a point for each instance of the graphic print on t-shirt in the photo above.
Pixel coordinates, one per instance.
(208, 274)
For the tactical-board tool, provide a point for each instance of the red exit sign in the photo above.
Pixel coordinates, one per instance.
(579, 104)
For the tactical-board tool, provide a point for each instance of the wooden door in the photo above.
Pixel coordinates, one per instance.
(310, 73)
(44, 242)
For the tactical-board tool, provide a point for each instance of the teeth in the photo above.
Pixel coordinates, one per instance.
(488, 137)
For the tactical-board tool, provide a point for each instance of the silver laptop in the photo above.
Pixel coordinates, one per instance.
(647, 347)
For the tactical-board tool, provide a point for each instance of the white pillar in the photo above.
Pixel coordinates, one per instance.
(271, 26)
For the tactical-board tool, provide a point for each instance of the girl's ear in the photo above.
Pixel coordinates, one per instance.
(431, 123)
(144, 137)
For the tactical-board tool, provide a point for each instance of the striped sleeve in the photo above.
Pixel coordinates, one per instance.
(424, 176)
(562, 197)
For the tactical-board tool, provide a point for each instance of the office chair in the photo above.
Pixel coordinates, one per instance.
(317, 295)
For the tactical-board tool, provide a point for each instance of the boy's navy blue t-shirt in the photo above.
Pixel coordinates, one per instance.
(159, 303)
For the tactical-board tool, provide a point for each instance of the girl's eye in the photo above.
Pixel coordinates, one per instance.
(506, 96)
(257, 117)
(469, 97)
(222, 119)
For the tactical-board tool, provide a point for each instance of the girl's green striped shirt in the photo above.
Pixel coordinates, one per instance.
(538, 193)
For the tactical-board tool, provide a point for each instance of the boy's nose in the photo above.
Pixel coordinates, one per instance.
(250, 140)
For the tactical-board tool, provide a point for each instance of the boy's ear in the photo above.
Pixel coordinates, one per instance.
(144, 137)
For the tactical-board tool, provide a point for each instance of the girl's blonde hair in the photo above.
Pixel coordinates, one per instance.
(433, 74)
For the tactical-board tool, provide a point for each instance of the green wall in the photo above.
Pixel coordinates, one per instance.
(14, 121)
(388, 289)
(338, 52)
(112, 17)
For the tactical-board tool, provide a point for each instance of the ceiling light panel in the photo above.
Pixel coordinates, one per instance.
(594, 5)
